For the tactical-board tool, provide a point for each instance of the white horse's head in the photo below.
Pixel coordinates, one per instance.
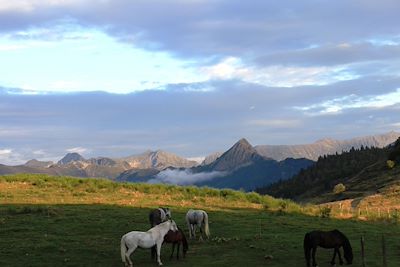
(173, 226)
(167, 213)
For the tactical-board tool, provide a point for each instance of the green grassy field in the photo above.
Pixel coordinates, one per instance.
(81, 232)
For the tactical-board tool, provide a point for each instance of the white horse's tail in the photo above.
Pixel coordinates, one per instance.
(206, 228)
(123, 249)
(188, 224)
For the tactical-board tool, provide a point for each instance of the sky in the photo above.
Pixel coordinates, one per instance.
(116, 78)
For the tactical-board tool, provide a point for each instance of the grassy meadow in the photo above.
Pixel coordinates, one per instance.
(53, 221)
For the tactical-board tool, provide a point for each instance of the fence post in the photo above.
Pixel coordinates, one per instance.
(384, 251)
(362, 251)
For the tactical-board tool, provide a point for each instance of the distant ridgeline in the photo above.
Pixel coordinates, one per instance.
(362, 171)
(242, 166)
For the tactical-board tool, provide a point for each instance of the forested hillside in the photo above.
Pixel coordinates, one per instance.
(360, 171)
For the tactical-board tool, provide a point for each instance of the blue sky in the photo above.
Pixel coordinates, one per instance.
(69, 58)
(114, 78)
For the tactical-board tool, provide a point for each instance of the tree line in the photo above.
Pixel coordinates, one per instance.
(331, 170)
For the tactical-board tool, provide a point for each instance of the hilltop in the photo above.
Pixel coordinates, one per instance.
(363, 172)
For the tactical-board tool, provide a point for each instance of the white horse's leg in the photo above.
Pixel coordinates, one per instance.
(201, 231)
(128, 255)
(189, 227)
(191, 231)
(194, 230)
(159, 252)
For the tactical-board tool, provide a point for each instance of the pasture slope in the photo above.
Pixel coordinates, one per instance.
(52, 221)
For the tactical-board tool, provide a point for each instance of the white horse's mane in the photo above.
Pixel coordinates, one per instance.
(163, 216)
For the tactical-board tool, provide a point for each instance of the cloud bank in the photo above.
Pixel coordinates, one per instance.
(185, 177)
(194, 123)
(275, 72)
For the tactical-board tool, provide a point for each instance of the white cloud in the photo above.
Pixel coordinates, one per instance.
(32, 5)
(228, 68)
(276, 75)
(39, 152)
(275, 123)
(184, 177)
(5, 152)
(337, 105)
(10, 157)
(77, 150)
(13, 132)
(395, 125)
(197, 159)
(63, 85)
(12, 47)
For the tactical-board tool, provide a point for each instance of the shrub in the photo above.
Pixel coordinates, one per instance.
(325, 212)
(390, 164)
(254, 198)
(283, 205)
(339, 188)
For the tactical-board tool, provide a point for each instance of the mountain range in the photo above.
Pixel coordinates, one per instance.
(240, 167)
(325, 146)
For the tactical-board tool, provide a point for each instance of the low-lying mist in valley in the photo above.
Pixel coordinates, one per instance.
(185, 177)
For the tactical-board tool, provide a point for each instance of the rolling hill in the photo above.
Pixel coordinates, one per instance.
(362, 171)
(79, 222)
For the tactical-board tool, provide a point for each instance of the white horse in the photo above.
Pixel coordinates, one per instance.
(197, 218)
(153, 237)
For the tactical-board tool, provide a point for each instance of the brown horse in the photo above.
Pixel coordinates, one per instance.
(177, 238)
(327, 239)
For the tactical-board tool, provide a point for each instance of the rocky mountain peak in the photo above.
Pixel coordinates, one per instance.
(326, 140)
(102, 161)
(158, 159)
(70, 157)
(243, 143)
(211, 158)
(241, 153)
(38, 164)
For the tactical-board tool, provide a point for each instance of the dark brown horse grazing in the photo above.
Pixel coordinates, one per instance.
(156, 217)
(331, 239)
(159, 215)
(177, 238)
